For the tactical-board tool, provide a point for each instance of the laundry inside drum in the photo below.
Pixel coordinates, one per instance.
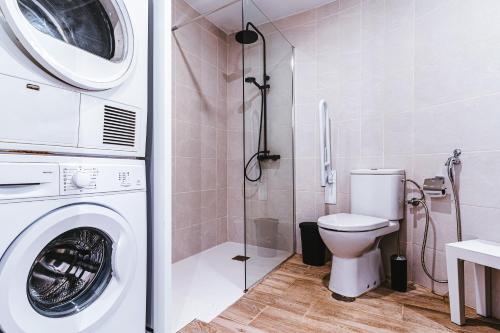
(70, 273)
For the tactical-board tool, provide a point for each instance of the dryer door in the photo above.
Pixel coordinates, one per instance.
(67, 271)
(86, 43)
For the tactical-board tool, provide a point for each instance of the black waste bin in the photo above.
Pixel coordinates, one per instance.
(313, 248)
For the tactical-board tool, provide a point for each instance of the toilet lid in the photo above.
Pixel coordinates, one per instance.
(351, 222)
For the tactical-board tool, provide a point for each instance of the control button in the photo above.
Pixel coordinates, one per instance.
(81, 179)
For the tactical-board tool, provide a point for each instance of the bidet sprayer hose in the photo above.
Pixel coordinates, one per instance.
(450, 165)
(424, 243)
(451, 177)
(421, 201)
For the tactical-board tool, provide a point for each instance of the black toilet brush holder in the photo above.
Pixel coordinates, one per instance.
(399, 276)
(399, 270)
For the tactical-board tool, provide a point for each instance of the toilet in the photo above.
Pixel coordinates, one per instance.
(377, 197)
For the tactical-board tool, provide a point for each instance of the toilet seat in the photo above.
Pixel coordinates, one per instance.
(351, 222)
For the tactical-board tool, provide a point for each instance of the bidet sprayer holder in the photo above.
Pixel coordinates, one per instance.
(435, 187)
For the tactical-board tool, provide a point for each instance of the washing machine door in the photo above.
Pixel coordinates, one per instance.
(86, 43)
(67, 272)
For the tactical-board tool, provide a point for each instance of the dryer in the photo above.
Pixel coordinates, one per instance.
(73, 245)
(73, 76)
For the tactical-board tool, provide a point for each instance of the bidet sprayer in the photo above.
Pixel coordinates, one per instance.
(455, 159)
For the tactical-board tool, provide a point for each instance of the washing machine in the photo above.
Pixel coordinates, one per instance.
(73, 245)
(73, 76)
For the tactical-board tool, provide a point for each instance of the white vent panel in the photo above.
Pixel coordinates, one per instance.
(110, 126)
(119, 127)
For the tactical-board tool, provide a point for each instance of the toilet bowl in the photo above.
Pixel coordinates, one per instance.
(353, 239)
(356, 259)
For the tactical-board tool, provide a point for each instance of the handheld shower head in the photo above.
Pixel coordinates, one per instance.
(251, 79)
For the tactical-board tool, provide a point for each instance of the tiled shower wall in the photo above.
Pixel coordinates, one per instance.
(407, 81)
(199, 145)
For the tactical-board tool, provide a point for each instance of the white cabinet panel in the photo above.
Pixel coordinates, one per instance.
(35, 113)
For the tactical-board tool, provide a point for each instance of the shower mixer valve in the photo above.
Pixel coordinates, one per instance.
(265, 156)
(251, 79)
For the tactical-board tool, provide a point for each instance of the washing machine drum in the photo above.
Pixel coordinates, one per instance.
(70, 273)
(86, 43)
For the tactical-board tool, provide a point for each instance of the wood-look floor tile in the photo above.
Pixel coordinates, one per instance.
(424, 318)
(296, 259)
(349, 316)
(378, 306)
(280, 321)
(296, 306)
(275, 284)
(306, 291)
(295, 299)
(197, 326)
(278, 282)
(429, 317)
(243, 311)
(293, 269)
(224, 325)
(413, 298)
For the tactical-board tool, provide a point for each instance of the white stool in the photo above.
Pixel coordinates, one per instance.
(484, 255)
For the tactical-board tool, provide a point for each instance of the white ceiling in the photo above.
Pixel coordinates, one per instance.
(229, 18)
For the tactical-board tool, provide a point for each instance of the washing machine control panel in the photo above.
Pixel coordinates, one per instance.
(82, 178)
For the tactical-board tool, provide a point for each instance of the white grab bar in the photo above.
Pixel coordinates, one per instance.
(328, 176)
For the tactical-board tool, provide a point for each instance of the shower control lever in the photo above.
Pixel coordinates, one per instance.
(267, 156)
(251, 79)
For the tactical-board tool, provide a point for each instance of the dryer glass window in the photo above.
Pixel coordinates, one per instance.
(91, 25)
(70, 273)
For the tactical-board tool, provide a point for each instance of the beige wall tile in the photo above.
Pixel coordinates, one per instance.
(199, 171)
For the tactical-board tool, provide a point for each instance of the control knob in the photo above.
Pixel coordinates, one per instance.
(81, 179)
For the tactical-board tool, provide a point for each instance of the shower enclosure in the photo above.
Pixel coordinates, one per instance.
(268, 145)
(233, 173)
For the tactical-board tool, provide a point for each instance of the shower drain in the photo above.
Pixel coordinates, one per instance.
(241, 258)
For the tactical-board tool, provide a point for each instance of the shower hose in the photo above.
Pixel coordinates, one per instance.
(259, 152)
(421, 201)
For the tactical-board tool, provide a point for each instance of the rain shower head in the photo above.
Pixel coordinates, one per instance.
(246, 37)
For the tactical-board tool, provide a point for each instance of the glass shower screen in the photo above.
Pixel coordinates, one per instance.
(268, 144)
